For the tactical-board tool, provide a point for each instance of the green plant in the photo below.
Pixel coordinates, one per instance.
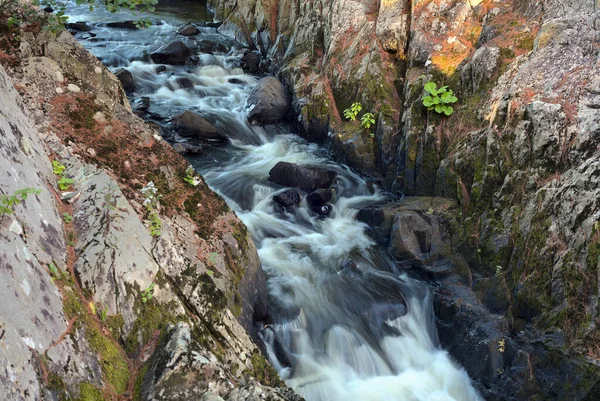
(65, 183)
(67, 218)
(58, 168)
(155, 224)
(498, 271)
(190, 177)
(367, 120)
(7, 202)
(53, 269)
(71, 239)
(103, 315)
(352, 112)
(148, 293)
(439, 99)
(151, 202)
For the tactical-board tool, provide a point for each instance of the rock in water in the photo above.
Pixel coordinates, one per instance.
(190, 124)
(288, 198)
(269, 102)
(188, 30)
(126, 79)
(173, 53)
(123, 25)
(319, 197)
(306, 178)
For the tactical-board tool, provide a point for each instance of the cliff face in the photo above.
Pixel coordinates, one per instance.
(519, 155)
(103, 297)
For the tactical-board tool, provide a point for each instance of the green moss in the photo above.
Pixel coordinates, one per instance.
(114, 364)
(264, 372)
(139, 381)
(89, 392)
(115, 324)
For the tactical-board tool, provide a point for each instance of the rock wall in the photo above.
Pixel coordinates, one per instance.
(101, 298)
(519, 154)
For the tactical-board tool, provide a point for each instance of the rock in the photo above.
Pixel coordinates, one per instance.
(251, 62)
(481, 68)
(214, 44)
(548, 132)
(141, 104)
(190, 124)
(78, 26)
(306, 178)
(287, 198)
(411, 236)
(324, 210)
(393, 22)
(236, 81)
(184, 83)
(173, 53)
(493, 292)
(161, 68)
(126, 79)
(319, 197)
(123, 25)
(269, 102)
(188, 30)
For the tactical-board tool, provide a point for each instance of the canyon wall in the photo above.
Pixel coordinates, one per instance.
(518, 274)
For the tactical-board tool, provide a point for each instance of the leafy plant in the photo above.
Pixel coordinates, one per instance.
(151, 202)
(498, 271)
(155, 224)
(367, 120)
(439, 99)
(58, 168)
(103, 315)
(7, 202)
(53, 269)
(148, 293)
(210, 273)
(71, 239)
(352, 112)
(65, 183)
(190, 177)
(67, 218)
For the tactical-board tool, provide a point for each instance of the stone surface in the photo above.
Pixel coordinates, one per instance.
(190, 124)
(188, 30)
(269, 102)
(173, 53)
(126, 79)
(307, 179)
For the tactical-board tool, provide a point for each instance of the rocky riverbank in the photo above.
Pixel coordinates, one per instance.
(515, 253)
(123, 275)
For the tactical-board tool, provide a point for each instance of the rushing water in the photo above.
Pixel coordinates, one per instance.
(340, 330)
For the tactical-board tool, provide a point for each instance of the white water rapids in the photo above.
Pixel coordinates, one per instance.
(339, 331)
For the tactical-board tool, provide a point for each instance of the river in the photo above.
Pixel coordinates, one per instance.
(346, 323)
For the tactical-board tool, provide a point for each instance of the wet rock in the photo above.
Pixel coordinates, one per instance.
(269, 102)
(188, 30)
(306, 178)
(236, 81)
(214, 44)
(251, 62)
(184, 83)
(323, 210)
(78, 26)
(132, 25)
(173, 53)
(161, 68)
(126, 79)
(190, 124)
(288, 198)
(319, 197)
(141, 104)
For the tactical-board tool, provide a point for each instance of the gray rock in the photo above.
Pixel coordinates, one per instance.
(269, 102)
(481, 68)
(126, 79)
(173, 53)
(306, 178)
(190, 124)
(411, 236)
(188, 30)
(393, 22)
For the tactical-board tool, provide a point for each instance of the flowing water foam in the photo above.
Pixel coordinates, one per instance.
(346, 324)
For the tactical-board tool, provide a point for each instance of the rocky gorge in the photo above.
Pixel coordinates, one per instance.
(156, 291)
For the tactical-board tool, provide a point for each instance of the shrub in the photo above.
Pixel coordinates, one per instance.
(439, 99)
(351, 112)
(367, 120)
(7, 202)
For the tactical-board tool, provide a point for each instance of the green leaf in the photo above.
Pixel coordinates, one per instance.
(443, 89)
(448, 110)
(439, 108)
(427, 101)
(431, 87)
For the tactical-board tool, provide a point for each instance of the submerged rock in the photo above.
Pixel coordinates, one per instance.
(188, 30)
(173, 53)
(306, 178)
(269, 102)
(288, 198)
(190, 124)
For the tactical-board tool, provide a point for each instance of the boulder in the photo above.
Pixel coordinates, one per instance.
(188, 30)
(161, 68)
(184, 83)
(319, 197)
(287, 198)
(251, 62)
(126, 79)
(78, 26)
(141, 104)
(190, 124)
(123, 25)
(306, 178)
(214, 44)
(173, 53)
(411, 236)
(269, 102)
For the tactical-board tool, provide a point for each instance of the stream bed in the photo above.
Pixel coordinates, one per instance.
(346, 324)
